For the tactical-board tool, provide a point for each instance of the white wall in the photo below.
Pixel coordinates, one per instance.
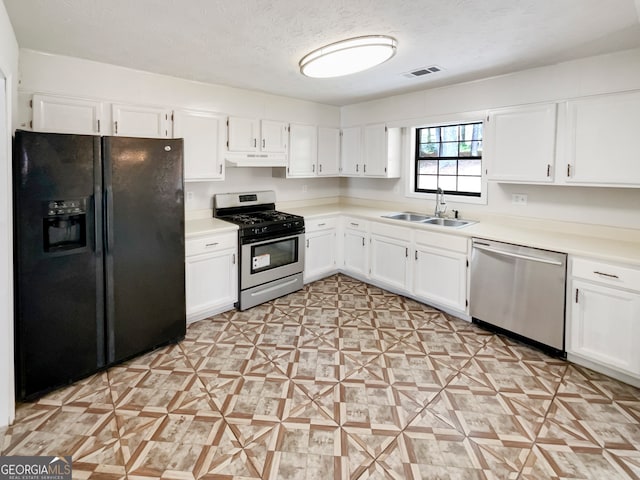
(589, 76)
(8, 98)
(75, 77)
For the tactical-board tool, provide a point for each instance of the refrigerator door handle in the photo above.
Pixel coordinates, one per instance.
(108, 212)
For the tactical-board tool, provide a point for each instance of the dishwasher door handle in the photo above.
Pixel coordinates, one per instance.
(517, 255)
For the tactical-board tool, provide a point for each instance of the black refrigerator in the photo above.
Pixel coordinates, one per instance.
(99, 253)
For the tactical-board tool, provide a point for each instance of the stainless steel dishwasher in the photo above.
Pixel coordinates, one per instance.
(519, 289)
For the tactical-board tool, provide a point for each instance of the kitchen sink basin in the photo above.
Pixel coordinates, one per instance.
(408, 217)
(447, 222)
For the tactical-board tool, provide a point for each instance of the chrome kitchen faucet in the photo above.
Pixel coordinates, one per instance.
(441, 204)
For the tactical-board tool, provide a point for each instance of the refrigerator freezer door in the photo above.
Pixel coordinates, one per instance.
(144, 244)
(58, 247)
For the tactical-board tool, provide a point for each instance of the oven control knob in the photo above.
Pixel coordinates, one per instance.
(264, 229)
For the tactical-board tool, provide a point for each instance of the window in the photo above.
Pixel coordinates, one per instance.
(449, 157)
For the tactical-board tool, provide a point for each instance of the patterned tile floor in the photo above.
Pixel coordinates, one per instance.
(339, 380)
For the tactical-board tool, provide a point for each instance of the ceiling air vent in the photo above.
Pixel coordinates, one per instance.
(421, 72)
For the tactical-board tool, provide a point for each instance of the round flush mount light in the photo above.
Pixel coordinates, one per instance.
(348, 56)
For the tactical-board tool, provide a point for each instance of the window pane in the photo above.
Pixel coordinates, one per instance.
(448, 167)
(450, 134)
(449, 149)
(465, 149)
(476, 149)
(447, 182)
(427, 182)
(471, 132)
(470, 167)
(430, 135)
(470, 184)
(428, 167)
(429, 150)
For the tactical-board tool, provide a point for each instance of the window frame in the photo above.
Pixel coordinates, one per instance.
(417, 158)
(409, 155)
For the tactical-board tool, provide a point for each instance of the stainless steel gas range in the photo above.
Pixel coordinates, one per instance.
(270, 245)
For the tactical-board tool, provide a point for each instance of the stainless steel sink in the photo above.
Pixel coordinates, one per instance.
(447, 222)
(408, 217)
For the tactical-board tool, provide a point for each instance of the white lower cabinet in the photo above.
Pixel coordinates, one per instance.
(603, 324)
(356, 247)
(440, 271)
(211, 271)
(321, 246)
(390, 250)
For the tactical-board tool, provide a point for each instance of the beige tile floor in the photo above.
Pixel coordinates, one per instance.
(339, 380)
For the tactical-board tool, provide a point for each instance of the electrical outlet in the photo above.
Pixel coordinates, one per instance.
(519, 199)
(304, 188)
(189, 196)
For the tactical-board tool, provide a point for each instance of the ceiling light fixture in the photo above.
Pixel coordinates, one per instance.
(348, 56)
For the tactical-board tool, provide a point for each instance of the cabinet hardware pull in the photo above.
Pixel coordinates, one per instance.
(255, 142)
(406, 252)
(307, 243)
(211, 244)
(263, 143)
(609, 275)
(548, 170)
(233, 259)
(357, 167)
(577, 295)
(116, 127)
(220, 169)
(363, 241)
(98, 126)
(364, 168)
(321, 224)
(568, 169)
(416, 254)
(313, 168)
(354, 224)
(320, 168)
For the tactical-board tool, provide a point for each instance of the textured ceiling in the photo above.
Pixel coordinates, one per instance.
(256, 44)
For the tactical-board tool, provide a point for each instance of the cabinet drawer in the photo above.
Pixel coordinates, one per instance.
(391, 231)
(320, 224)
(442, 240)
(356, 224)
(198, 245)
(606, 273)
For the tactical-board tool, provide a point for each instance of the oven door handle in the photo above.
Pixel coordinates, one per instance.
(257, 241)
(275, 287)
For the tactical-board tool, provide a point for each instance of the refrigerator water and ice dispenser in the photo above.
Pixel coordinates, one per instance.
(65, 225)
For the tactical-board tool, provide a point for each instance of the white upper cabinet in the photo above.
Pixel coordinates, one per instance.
(600, 134)
(328, 151)
(254, 143)
(351, 154)
(141, 121)
(520, 144)
(303, 151)
(67, 115)
(203, 134)
(371, 151)
(273, 136)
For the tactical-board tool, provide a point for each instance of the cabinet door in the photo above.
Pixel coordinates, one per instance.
(605, 325)
(67, 115)
(243, 134)
(521, 144)
(390, 261)
(441, 277)
(274, 136)
(141, 121)
(600, 146)
(351, 154)
(356, 252)
(375, 150)
(303, 151)
(320, 257)
(203, 133)
(211, 281)
(328, 151)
